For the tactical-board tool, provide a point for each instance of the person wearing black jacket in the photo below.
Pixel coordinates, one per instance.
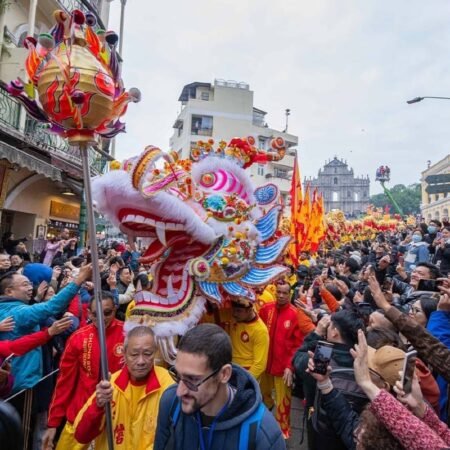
(341, 329)
(442, 254)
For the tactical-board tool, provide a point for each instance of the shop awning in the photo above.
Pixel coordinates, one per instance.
(23, 159)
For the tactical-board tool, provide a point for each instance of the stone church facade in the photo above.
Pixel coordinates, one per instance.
(341, 189)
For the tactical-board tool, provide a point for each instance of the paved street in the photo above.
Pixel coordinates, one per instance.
(296, 424)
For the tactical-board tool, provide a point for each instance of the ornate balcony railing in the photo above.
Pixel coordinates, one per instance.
(9, 111)
(36, 135)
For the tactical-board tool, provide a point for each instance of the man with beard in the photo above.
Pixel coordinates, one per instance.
(216, 405)
(134, 393)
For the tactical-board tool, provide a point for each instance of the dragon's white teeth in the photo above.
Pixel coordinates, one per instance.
(161, 234)
(170, 291)
(163, 300)
(139, 219)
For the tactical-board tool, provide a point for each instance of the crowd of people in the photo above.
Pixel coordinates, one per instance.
(359, 332)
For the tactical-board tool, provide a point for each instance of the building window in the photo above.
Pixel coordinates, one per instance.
(335, 180)
(349, 194)
(260, 169)
(262, 143)
(202, 125)
(365, 194)
(335, 196)
(335, 171)
(204, 96)
(258, 118)
(280, 173)
(356, 197)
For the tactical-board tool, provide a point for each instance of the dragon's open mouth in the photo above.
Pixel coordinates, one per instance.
(171, 248)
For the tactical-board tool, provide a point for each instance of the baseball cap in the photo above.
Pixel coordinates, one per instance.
(386, 361)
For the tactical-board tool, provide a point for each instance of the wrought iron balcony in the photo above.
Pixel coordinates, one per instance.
(35, 135)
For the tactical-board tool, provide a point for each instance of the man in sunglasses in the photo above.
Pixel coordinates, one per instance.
(215, 405)
(134, 393)
(80, 371)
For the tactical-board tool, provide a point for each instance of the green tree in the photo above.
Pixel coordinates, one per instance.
(407, 197)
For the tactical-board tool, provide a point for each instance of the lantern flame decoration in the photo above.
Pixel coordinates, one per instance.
(74, 80)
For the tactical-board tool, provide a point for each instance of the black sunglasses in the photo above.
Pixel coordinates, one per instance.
(191, 386)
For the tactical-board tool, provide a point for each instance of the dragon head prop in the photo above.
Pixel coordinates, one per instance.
(211, 234)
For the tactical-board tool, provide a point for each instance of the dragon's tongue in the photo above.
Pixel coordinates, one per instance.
(164, 240)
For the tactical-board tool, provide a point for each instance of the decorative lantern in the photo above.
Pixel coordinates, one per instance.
(74, 80)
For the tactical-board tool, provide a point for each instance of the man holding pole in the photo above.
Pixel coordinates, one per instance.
(134, 393)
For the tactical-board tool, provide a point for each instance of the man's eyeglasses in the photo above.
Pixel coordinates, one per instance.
(189, 384)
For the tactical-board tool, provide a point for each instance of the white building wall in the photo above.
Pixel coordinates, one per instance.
(232, 111)
(435, 206)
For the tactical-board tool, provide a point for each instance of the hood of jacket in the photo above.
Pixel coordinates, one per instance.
(246, 399)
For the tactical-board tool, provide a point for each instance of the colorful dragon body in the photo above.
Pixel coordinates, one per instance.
(211, 234)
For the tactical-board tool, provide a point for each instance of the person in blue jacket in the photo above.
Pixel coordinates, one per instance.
(15, 295)
(439, 326)
(215, 405)
(416, 250)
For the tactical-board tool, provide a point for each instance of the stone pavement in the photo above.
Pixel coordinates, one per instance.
(296, 423)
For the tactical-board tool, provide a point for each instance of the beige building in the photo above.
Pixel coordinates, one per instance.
(435, 202)
(225, 110)
(40, 175)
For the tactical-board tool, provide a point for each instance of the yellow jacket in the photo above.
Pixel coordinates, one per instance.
(250, 342)
(134, 412)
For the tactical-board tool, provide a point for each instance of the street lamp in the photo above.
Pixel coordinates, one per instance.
(122, 22)
(419, 99)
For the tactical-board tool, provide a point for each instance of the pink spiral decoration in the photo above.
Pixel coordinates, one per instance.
(227, 182)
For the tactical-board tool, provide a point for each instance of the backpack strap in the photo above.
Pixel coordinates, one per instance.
(250, 428)
(175, 410)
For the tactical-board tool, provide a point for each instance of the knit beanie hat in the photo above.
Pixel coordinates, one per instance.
(37, 273)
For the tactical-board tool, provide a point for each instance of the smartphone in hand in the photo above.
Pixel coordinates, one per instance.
(322, 357)
(429, 285)
(409, 366)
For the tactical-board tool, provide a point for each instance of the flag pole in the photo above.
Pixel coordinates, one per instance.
(84, 150)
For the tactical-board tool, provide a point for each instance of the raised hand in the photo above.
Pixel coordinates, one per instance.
(59, 326)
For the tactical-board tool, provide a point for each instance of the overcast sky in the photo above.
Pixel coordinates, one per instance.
(345, 68)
